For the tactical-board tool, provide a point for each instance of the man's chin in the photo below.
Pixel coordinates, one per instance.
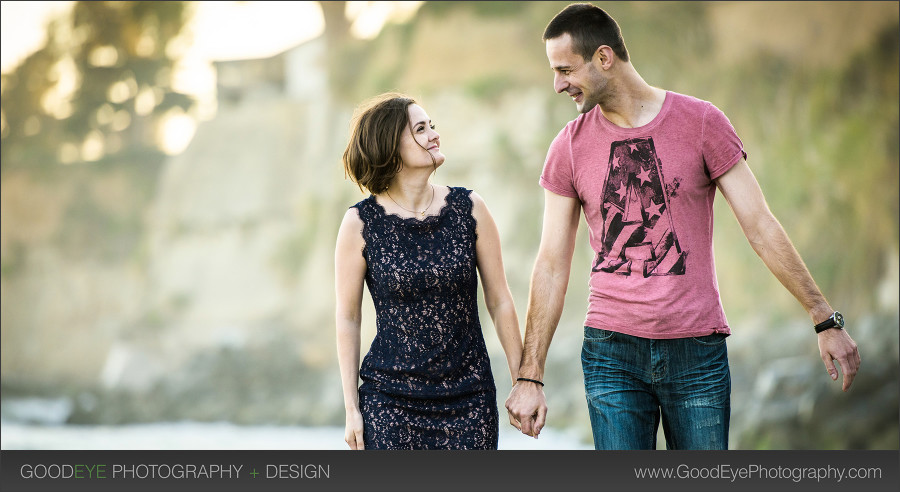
(584, 107)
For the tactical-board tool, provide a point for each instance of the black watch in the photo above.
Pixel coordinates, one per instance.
(836, 320)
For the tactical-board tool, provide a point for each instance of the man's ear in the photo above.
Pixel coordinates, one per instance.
(604, 57)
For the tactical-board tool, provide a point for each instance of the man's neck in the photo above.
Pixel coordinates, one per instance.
(632, 102)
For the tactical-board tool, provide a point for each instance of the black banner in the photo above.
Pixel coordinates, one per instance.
(396, 471)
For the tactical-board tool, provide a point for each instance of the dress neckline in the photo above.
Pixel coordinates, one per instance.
(430, 218)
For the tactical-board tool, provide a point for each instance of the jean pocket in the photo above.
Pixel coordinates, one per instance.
(597, 334)
(710, 340)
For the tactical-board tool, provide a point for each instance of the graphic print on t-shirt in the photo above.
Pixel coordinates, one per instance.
(638, 231)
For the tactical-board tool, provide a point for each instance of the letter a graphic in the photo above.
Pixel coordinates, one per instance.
(638, 232)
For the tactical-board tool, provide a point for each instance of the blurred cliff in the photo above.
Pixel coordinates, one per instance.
(146, 287)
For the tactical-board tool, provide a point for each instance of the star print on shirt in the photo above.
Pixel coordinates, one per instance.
(622, 191)
(638, 233)
(653, 209)
(644, 176)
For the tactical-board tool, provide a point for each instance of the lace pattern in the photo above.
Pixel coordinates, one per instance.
(428, 367)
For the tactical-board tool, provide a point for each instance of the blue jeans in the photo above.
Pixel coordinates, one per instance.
(630, 382)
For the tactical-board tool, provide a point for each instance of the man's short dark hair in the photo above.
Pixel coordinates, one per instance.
(590, 27)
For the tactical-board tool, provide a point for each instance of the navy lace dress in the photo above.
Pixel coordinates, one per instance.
(427, 380)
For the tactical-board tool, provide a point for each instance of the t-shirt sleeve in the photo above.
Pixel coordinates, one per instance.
(558, 176)
(722, 148)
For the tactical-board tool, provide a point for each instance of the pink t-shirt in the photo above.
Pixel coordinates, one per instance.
(647, 195)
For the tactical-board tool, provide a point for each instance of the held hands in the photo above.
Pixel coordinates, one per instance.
(353, 429)
(527, 408)
(836, 345)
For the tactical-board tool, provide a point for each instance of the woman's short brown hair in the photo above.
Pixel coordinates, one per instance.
(372, 157)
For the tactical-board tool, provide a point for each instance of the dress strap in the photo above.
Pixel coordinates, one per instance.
(367, 209)
(460, 201)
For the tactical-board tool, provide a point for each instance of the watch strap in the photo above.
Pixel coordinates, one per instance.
(836, 320)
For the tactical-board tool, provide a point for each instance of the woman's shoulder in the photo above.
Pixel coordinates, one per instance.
(467, 194)
(361, 211)
(363, 205)
(460, 194)
(467, 200)
(352, 225)
(459, 189)
(365, 201)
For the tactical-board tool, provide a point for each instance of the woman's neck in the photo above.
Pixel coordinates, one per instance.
(413, 194)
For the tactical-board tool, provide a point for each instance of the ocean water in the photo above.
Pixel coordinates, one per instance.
(39, 424)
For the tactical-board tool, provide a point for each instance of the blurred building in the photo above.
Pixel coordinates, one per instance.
(297, 74)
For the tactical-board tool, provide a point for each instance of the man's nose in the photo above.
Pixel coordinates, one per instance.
(559, 82)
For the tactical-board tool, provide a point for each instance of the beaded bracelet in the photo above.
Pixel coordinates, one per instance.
(530, 381)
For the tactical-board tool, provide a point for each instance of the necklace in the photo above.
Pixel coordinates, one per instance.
(422, 213)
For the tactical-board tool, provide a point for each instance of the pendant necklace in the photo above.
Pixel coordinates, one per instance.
(422, 213)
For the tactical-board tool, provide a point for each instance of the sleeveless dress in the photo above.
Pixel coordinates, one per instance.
(427, 381)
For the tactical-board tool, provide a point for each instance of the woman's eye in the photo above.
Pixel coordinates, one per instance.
(433, 126)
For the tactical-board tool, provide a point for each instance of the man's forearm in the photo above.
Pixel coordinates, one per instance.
(769, 240)
(774, 247)
(545, 305)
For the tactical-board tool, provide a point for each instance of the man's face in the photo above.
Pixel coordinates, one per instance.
(575, 76)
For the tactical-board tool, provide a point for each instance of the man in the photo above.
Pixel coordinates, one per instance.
(644, 165)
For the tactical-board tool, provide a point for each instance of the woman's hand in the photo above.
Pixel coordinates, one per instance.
(353, 430)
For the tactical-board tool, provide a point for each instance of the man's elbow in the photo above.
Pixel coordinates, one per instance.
(763, 232)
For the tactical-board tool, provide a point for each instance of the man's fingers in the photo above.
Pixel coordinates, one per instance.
(849, 371)
(512, 421)
(525, 406)
(847, 356)
(829, 366)
(837, 346)
(527, 426)
(851, 367)
(540, 420)
(848, 380)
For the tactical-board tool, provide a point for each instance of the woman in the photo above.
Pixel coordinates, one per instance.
(427, 380)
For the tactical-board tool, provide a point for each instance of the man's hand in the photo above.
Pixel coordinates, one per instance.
(527, 408)
(836, 345)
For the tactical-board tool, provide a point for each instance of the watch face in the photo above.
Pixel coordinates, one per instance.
(839, 319)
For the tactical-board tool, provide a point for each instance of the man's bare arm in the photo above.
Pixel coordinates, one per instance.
(549, 280)
(771, 243)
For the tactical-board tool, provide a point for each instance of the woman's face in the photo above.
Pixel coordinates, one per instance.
(420, 142)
